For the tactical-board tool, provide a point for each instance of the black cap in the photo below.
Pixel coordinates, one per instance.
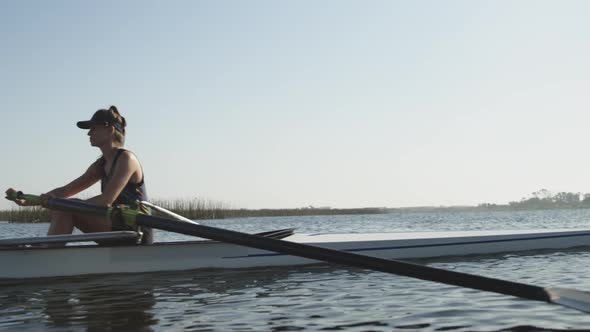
(102, 117)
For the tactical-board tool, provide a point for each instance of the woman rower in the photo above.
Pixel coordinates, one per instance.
(118, 170)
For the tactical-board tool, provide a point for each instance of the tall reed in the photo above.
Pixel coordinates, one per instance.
(196, 208)
(29, 214)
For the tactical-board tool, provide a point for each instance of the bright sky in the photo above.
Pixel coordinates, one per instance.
(281, 104)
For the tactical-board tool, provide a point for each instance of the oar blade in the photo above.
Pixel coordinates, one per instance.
(570, 298)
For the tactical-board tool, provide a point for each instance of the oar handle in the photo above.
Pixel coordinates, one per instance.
(125, 214)
(31, 199)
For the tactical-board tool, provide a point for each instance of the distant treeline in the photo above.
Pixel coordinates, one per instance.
(195, 209)
(544, 199)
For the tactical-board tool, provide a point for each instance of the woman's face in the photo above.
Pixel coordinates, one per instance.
(100, 134)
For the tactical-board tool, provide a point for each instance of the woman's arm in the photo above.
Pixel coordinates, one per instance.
(127, 165)
(90, 177)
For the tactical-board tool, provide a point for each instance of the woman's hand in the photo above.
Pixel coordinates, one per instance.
(51, 194)
(10, 192)
(45, 197)
(18, 201)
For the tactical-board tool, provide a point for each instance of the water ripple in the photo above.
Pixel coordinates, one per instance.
(317, 297)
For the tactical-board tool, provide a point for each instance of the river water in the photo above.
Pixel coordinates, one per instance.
(316, 297)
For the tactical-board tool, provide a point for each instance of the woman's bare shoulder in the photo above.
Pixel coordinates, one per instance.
(128, 157)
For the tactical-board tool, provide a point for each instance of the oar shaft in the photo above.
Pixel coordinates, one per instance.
(168, 212)
(69, 205)
(346, 258)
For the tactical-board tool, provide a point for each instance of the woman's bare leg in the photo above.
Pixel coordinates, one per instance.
(61, 223)
(64, 222)
(92, 224)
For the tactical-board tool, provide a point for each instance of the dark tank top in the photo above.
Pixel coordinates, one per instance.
(130, 195)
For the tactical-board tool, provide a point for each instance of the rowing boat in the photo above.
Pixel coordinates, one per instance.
(21, 259)
(236, 249)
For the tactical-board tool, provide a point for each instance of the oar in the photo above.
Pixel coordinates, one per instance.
(168, 212)
(276, 234)
(566, 297)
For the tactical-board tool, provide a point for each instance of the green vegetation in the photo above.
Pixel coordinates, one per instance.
(195, 209)
(25, 214)
(207, 209)
(201, 209)
(544, 199)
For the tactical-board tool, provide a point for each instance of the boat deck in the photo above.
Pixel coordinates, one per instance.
(79, 259)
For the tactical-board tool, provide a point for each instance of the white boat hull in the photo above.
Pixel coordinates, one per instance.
(22, 263)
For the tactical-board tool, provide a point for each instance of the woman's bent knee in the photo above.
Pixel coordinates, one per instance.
(89, 224)
(60, 215)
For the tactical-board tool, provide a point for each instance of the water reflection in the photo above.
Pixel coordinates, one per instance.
(134, 302)
(102, 307)
(92, 304)
(318, 297)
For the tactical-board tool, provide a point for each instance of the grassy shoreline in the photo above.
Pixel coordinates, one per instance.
(195, 209)
(199, 209)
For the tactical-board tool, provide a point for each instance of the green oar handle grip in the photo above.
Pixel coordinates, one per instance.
(126, 215)
(31, 199)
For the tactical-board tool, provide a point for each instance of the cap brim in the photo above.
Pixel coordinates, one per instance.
(84, 124)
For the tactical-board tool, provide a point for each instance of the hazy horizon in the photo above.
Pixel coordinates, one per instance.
(225, 204)
(265, 104)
